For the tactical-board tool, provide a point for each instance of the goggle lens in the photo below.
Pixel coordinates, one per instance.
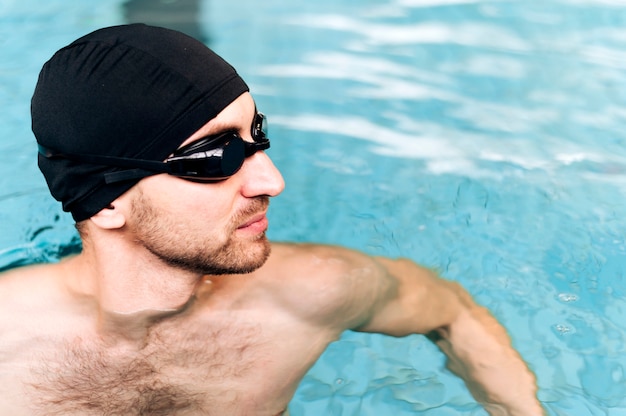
(220, 156)
(209, 159)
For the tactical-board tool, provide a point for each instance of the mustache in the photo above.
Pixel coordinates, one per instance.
(256, 205)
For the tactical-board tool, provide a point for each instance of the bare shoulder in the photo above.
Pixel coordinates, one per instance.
(16, 279)
(17, 276)
(28, 286)
(332, 284)
(316, 264)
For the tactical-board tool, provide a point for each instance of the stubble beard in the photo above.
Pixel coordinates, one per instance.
(169, 241)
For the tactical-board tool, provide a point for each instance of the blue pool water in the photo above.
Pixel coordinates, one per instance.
(485, 139)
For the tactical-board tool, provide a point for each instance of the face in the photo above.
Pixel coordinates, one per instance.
(209, 228)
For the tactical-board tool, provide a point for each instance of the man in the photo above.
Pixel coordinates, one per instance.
(178, 304)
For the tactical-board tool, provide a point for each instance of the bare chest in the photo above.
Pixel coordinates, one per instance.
(184, 368)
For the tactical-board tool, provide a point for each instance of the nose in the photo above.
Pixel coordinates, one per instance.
(261, 177)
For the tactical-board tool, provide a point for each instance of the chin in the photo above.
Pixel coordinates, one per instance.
(258, 255)
(242, 258)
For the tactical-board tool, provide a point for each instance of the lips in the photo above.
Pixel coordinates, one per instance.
(257, 223)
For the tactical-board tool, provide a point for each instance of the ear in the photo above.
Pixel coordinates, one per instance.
(109, 218)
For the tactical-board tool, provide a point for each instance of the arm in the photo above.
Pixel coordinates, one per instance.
(477, 346)
(342, 289)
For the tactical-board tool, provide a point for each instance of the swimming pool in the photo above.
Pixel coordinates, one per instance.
(481, 138)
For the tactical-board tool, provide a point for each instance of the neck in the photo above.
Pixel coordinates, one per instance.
(133, 328)
(131, 293)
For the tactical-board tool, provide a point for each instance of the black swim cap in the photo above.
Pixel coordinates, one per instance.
(131, 91)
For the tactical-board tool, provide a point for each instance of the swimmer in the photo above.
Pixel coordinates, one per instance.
(178, 304)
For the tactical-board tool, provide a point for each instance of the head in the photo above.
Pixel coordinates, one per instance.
(122, 117)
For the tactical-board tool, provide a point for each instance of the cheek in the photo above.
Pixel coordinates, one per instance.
(210, 204)
(209, 212)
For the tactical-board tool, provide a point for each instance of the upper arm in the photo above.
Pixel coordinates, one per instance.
(420, 303)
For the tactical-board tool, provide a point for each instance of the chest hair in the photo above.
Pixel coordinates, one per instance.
(181, 370)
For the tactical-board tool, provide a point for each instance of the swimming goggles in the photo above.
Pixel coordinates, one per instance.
(209, 159)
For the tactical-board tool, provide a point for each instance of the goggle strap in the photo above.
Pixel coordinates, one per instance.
(120, 162)
(126, 175)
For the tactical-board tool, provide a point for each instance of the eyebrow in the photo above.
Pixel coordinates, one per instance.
(216, 129)
(224, 126)
(219, 128)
